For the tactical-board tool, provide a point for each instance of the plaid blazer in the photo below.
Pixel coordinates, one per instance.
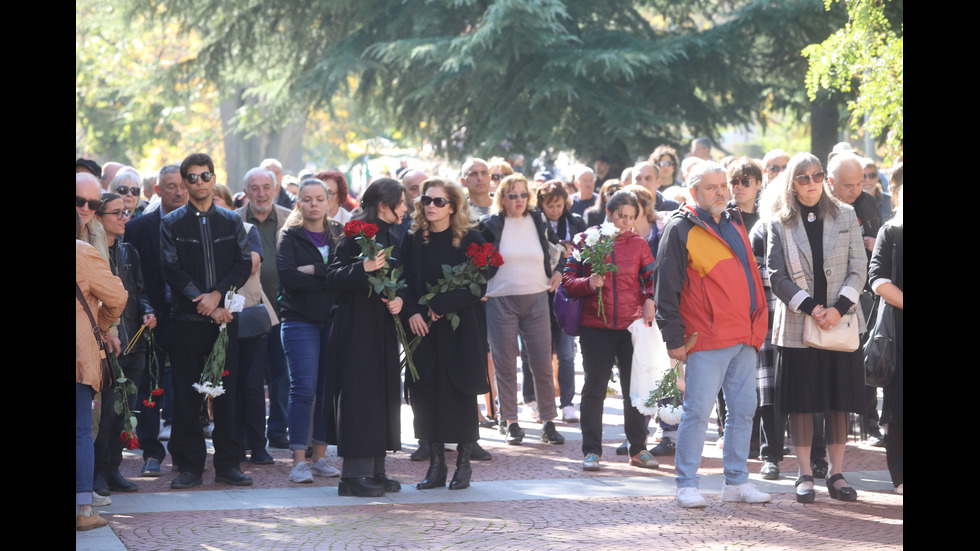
(845, 264)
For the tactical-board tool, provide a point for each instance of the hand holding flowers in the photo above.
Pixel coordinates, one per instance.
(596, 243)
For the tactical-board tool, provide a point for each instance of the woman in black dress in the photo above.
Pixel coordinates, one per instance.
(363, 383)
(452, 364)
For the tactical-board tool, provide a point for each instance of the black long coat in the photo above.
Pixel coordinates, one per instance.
(363, 384)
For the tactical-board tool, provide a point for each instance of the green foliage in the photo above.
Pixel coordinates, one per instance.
(864, 59)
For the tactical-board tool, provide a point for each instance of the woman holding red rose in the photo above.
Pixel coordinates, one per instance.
(452, 364)
(363, 382)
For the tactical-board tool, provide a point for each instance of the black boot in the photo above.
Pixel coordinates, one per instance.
(436, 475)
(461, 478)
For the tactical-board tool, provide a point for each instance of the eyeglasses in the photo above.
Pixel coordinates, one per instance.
(804, 179)
(205, 176)
(666, 163)
(121, 213)
(132, 190)
(776, 169)
(437, 201)
(870, 175)
(746, 181)
(515, 196)
(93, 204)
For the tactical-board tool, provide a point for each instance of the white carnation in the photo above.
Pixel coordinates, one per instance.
(209, 389)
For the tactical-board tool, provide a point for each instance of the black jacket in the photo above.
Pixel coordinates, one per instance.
(202, 252)
(304, 297)
(126, 266)
(144, 234)
(492, 227)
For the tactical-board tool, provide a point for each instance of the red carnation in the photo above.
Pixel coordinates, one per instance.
(224, 373)
(123, 437)
(148, 403)
(369, 230)
(133, 443)
(472, 250)
(496, 259)
(157, 391)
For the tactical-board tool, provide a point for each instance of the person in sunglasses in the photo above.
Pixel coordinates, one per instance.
(88, 193)
(518, 303)
(127, 185)
(452, 364)
(205, 253)
(499, 169)
(773, 163)
(826, 237)
(665, 157)
(744, 183)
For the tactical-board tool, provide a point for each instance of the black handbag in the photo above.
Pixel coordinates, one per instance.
(881, 350)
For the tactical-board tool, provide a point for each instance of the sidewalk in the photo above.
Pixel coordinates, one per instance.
(533, 496)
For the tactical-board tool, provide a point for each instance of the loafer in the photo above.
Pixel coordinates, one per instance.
(320, 467)
(186, 480)
(389, 484)
(279, 442)
(515, 434)
(844, 493)
(690, 498)
(644, 460)
(91, 522)
(667, 446)
(623, 449)
(262, 457)
(488, 424)
(591, 462)
(479, 454)
(805, 496)
(117, 483)
(744, 493)
(151, 468)
(769, 471)
(360, 487)
(550, 434)
(819, 470)
(232, 477)
(99, 485)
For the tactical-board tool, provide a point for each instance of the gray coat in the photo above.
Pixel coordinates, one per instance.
(845, 264)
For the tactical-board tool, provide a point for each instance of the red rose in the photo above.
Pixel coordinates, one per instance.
(486, 249)
(369, 230)
(157, 391)
(472, 250)
(224, 373)
(352, 228)
(148, 403)
(480, 260)
(133, 443)
(496, 259)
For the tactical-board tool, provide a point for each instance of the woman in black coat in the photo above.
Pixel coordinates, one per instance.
(452, 364)
(363, 380)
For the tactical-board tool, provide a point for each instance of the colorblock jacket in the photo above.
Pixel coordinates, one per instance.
(701, 286)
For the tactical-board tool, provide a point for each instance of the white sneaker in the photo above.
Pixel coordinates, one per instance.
(745, 493)
(689, 498)
(100, 501)
(533, 406)
(568, 414)
(320, 467)
(301, 473)
(164, 432)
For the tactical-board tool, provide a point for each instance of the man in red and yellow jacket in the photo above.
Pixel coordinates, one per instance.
(707, 282)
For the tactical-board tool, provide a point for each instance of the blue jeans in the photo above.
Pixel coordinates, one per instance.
(278, 376)
(565, 348)
(84, 445)
(732, 370)
(305, 346)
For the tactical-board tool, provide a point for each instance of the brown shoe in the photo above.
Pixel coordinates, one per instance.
(644, 460)
(83, 522)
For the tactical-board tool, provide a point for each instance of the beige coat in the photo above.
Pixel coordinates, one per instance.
(106, 298)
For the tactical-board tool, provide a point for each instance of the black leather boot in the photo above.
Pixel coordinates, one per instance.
(436, 475)
(461, 478)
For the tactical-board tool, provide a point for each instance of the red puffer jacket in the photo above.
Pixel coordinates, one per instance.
(623, 292)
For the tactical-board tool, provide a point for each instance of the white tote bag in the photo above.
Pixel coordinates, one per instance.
(650, 362)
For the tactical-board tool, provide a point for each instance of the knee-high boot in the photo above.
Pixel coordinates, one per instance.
(436, 475)
(461, 478)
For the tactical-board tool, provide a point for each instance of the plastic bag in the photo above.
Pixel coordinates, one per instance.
(650, 362)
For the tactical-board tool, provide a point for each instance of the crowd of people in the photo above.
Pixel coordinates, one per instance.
(748, 267)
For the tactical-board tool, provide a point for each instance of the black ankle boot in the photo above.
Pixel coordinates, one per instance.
(436, 475)
(461, 478)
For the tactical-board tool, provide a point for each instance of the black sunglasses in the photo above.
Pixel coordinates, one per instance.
(205, 176)
(132, 190)
(93, 204)
(666, 163)
(437, 201)
(498, 177)
(746, 181)
(514, 196)
(776, 169)
(804, 179)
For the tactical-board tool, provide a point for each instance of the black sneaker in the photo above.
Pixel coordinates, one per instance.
(623, 449)
(479, 454)
(515, 434)
(667, 446)
(551, 435)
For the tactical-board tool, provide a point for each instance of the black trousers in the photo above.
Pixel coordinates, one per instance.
(108, 447)
(148, 419)
(193, 343)
(895, 453)
(599, 348)
(251, 391)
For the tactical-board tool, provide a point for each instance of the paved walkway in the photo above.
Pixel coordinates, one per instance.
(533, 496)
